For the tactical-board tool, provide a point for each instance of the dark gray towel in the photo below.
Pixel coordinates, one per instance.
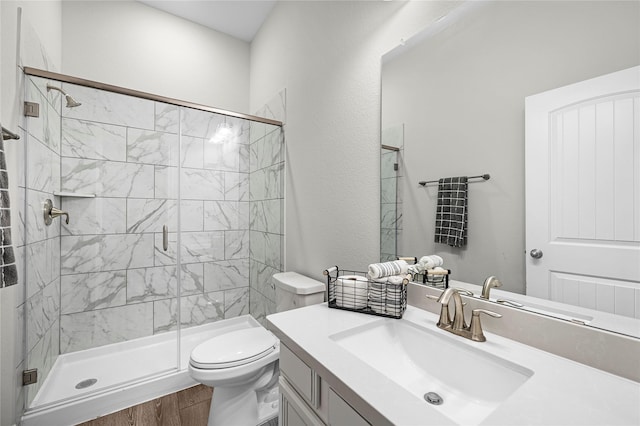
(8, 270)
(451, 213)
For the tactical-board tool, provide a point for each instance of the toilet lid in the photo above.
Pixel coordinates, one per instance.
(234, 348)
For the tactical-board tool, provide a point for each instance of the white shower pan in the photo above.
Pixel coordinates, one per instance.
(152, 360)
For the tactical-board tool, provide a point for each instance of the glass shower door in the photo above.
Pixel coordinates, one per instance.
(388, 204)
(102, 285)
(391, 183)
(214, 190)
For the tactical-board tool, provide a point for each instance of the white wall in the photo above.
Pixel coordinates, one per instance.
(41, 33)
(327, 56)
(132, 45)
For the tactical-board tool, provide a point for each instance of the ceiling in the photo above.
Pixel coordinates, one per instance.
(239, 18)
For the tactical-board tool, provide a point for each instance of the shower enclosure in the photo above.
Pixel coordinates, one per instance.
(391, 181)
(174, 223)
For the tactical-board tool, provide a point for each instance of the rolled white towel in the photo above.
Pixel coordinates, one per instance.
(430, 262)
(386, 269)
(351, 291)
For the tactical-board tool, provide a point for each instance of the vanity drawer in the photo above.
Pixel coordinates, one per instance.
(293, 410)
(341, 413)
(297, 373)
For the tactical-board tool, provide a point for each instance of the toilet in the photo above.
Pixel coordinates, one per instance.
(242, 365)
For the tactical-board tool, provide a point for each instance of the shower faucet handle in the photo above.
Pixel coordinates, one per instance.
(51, 213)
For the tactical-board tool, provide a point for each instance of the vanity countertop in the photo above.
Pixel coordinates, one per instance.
(559, 392)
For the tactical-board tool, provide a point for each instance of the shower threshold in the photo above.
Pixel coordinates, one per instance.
(90, 383)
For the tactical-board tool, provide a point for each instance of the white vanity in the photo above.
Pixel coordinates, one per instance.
(346, 368)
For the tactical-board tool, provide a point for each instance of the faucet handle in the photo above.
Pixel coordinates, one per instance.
(445, 318)
(476, 327)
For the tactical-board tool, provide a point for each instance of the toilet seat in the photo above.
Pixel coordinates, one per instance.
(233, 349)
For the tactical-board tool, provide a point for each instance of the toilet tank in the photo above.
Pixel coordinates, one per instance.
(294, 290)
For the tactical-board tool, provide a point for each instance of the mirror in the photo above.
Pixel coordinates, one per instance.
(455, 94)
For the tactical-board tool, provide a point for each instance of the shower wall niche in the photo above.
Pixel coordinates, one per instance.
(175, 213)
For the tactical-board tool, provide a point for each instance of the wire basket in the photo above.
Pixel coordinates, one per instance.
(353, 291)
(437, 279)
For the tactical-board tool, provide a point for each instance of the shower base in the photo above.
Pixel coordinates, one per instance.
(125, 374)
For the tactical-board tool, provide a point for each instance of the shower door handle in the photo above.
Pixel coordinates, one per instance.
(165, 237)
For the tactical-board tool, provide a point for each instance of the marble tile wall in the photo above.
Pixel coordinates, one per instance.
(37, 244)
(117, 282)
(104, 277)
(266, 195)
(391, 181)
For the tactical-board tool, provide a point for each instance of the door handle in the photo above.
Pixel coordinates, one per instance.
(536, 253)
(165, 237)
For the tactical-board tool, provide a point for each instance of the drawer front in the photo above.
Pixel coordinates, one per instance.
(341, 413)
(297, 373)
(293, 410)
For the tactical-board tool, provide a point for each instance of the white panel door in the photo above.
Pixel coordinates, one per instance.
(583, 193)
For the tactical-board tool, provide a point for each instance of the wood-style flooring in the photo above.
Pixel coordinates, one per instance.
(189, 407)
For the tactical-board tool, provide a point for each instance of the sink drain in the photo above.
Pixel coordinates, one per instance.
(433, 398)
(86, 383)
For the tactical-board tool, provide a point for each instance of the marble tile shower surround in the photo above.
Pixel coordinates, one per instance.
(117, 283)
(38, 304)
(266, 195)
(39, 244)
(104, 277)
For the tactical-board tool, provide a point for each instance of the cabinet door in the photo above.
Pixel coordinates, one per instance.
(293, 410)
(341, 413)
(297, 373)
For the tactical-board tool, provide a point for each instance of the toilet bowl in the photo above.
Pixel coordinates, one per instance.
(242, 365)
(239, 365)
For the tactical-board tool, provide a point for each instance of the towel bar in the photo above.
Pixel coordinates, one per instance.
(484, 177)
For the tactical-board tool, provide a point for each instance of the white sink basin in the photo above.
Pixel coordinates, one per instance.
(471, 382)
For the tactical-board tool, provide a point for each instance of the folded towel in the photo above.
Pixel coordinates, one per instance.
(387, 308)
(8, 270)
(389, 293)
(386, 269)
(451, 212)
(393, 279)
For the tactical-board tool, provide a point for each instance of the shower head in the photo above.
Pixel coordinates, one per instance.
(71, 103)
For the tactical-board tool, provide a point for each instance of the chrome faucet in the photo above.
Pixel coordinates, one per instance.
(488, 284)
(458, 326)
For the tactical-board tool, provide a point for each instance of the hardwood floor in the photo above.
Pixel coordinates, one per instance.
(189, 407)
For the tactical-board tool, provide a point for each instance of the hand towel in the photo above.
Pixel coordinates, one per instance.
(451, 212)
(8, 270)
(386, 269)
